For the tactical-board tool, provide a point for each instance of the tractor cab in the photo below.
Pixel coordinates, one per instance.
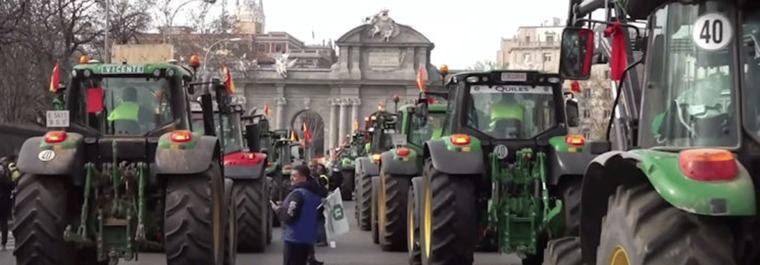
(380, 127)
(514, 108)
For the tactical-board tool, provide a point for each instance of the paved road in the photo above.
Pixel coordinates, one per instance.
(354, 248)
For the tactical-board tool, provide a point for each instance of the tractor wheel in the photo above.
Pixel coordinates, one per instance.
(252, 212)
(571, 199)
(414, 199)
(231, 230)
(642, 228)
(40, 216)
(364, 201)
(391, 214)
(193, 224)
(347, 187)
(374, 229)
(563, 251)
(449, 226)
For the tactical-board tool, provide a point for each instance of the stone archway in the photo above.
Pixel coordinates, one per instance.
(309, 120)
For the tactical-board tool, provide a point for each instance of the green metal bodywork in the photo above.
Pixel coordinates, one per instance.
(520, 214)
(733, 198)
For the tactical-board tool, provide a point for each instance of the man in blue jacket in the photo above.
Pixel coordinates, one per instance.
(299, 212)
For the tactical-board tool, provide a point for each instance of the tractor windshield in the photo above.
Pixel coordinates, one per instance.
(381, 140)
(751, 61)
(690, 96)
(124, 105)
(233, 137)
(511, 111)
(421, 131)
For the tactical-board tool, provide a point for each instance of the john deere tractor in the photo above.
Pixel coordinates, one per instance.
(680, 188)
(343, 164)
(245, 166)
(503, 166)
(397, 168)
(120, 170)
(380, 126)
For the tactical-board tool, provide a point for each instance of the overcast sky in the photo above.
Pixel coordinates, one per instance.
(463, 31)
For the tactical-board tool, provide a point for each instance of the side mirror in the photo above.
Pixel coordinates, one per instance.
(252, 137)
(207, 107)
(571, 112)
(576, 52)
(421, 112)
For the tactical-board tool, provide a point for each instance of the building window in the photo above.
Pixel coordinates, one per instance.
(550, 38)
(279, 48)
(527, 38)
(606, 74)
(547, 57)
(586, 114)
(526, 57)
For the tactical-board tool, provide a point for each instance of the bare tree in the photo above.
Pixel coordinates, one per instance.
(128, 18)
(485, 65)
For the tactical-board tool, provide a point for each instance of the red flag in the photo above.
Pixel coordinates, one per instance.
(619, 58)
(228, 83)
(307, 135)
(422, 78)
(575, 87)
(55, 79)
(267, 111)
(94, 100)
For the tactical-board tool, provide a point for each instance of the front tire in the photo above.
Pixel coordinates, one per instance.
(413, 221)
(563, 251)
(642, 228)
(393, 212)
(364, 201)
(193, 226)
(253, 209)
(40, 214)
(374, 229)
(449, 227)
(347, 189)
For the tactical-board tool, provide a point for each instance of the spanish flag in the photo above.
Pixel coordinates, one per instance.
(293, 136)
(55, 79)
(422, 78)
(228, 83)
(267, 110)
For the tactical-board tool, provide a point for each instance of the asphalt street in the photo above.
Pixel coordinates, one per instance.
(354, 248)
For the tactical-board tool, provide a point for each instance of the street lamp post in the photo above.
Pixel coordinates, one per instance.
(205, 57)
(170, 19)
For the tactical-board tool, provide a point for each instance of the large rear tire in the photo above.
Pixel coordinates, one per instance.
(392, 212)
(374, 229)
(571, 199)
(193, 221)
(414, 199)
(363, 200)
(449, 229)
(563, 251)
(40, 216)
(642, 228)
(347, 187)
(253, 209)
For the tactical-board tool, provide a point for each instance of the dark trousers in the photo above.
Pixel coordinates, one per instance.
(3, 231)
(295, 253)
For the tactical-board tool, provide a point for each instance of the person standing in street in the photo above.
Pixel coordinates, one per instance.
(298, 213)
(8, 173)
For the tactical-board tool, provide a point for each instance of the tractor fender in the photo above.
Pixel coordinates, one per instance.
(454, 162)
(40, 158)
(660, 169)
(395, 166)
(567, 164)
(187, 158)
(246, 170)
(365, 166)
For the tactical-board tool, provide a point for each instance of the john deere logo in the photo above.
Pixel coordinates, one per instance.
(337, 212)
(501, 151)
(46, 155)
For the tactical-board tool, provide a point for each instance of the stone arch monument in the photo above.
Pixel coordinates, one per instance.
(377, 60)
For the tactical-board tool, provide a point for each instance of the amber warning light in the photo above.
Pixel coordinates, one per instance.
(182, 136)
(708, 164)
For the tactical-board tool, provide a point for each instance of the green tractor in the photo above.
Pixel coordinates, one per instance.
(120, 171)
(244, 164)
(397, 168)
(379, 126)
(679, 188)
(504, 169)
(343, 165)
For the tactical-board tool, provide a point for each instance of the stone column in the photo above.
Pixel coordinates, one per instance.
(333, 125)
(342, 116)
(355, 103)
(281, 102)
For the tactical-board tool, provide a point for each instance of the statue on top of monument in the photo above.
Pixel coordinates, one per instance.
(282, 64)
(382, 24)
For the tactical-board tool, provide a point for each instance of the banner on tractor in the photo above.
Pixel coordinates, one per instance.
(336, 223)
